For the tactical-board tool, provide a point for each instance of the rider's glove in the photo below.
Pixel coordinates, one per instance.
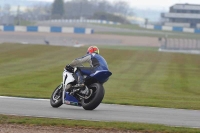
(69, 68)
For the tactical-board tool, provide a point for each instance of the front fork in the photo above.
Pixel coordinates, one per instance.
(65, 87)
(63, 95)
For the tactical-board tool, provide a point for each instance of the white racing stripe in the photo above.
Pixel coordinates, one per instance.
(22, 98)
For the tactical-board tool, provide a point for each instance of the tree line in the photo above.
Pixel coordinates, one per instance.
(74, 9)
(91, 9)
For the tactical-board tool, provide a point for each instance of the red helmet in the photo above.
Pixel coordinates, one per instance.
(93, 49)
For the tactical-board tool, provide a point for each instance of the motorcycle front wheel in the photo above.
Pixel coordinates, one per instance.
(56, 97)
(95, 98)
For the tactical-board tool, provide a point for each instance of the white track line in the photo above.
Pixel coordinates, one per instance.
(6, 97)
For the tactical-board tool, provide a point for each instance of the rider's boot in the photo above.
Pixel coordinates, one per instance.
(80, 81)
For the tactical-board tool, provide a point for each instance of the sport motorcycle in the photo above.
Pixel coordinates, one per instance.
(89, 97)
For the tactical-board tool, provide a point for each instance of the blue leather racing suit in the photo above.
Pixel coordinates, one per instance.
(96, 61)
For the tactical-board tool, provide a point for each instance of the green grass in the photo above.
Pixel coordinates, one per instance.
(123, 126)
(124, 26)
(171, 34)
(174, 35)
(139, 48)
(24, 23)
(140, 77)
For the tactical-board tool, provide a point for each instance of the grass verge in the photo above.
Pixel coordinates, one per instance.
(149, 32)
(155, 34)
(124, 126)
(24, 23)
(123, 26)
(140, 77)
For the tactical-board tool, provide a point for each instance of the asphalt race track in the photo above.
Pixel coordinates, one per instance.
(105, 112)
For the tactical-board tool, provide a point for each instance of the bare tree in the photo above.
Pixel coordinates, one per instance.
(87, 8)
(58, 8)
(123, 8)
(38, 12)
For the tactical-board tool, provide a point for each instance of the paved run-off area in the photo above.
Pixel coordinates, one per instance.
(72, 39)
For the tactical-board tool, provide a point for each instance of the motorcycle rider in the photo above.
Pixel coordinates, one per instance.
(96, 61)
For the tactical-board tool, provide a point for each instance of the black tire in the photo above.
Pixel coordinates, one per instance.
(95, 99)
(56, 97)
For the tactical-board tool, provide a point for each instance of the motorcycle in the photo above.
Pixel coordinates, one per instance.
(89, 97)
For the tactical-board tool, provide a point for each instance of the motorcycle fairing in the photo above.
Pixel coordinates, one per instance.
(67, 78)
(101, 75)
(70, 100)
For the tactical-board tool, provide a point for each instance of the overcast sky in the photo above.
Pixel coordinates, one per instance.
(151, 4)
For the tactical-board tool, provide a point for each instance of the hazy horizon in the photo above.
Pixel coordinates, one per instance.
(141, 4)
(142, 8)
(144, 4)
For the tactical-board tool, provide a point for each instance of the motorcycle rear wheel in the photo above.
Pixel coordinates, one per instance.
(96, 97)
(56, 97)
